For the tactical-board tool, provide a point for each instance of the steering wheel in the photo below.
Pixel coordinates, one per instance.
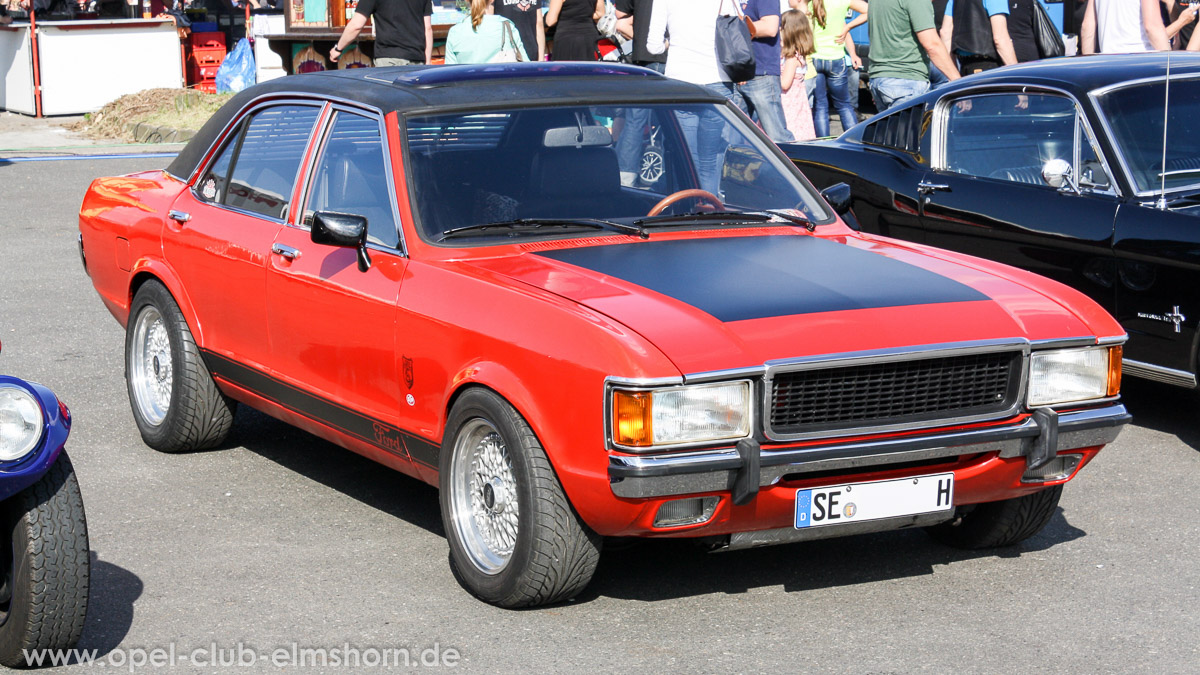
(685, 194)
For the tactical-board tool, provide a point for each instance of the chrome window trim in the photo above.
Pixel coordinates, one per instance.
(1018, 346)
(1095, 94)
(941, 116)
(248, 111)
(651, 384)
(321, 140)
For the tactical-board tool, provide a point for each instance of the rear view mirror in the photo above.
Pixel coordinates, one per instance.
(577, 137)
(342, 229)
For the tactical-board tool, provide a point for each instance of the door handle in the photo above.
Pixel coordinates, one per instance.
(925, 187)
(287, 252)
(179, 216)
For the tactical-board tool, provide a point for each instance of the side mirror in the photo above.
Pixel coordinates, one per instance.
(1057, 174)
(342, 229)
(838, 196)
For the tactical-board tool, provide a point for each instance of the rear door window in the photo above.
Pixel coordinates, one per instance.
(256, 170)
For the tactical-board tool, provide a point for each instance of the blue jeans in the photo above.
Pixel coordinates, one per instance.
(890, 91)
(762, 98)
(836, 77)
(936, 77)
(632, 143)
(705, 137)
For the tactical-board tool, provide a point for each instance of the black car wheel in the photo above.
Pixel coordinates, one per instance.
(175, 402)
(515, 540)
(1002, 523)
(44, 597)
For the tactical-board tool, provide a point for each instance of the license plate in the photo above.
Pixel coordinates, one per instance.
(856, 502)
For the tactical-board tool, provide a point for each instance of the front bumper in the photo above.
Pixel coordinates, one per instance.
(1037, 438)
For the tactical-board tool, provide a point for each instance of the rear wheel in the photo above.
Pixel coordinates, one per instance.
(175, 402)
(514, 539)
(44, 596)
(1002, 523)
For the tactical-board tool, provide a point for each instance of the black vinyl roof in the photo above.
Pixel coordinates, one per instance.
(1082, 74)
(431, 88)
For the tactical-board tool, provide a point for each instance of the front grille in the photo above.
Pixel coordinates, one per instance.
(893, 392)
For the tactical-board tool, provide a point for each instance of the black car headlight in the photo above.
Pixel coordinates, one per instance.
(21, 423)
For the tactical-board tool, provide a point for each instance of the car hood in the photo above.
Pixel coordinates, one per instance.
(722, 302)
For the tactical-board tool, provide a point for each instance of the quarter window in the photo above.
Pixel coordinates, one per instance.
(351, 177)
(256, 171)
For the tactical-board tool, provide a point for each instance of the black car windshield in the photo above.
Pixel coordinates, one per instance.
(557, 171)
(1135, 115)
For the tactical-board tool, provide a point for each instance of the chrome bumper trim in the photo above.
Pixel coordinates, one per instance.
(1149, 371)
(717, 470)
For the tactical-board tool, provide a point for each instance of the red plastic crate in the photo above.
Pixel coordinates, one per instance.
(199, 72)
(208, 40)
(208, 86)
(207, 55)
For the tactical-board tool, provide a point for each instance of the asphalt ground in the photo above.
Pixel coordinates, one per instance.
(282, 540)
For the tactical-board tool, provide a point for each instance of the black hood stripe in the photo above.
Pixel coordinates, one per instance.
(740, 278)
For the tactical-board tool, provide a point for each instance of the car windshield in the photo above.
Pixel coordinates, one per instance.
(1135, 115)
(587, 170)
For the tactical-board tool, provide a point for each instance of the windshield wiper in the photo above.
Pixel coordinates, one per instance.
(538, 223)
(762, 216)
(702, 216)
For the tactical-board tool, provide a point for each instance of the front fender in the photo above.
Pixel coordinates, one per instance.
(21, 473)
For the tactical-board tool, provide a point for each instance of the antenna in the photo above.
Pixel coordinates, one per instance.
(1162, 175)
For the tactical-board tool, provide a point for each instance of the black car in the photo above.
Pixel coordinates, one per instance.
(1056, 167)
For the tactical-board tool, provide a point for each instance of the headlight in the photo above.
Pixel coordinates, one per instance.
(1068, 375)
(676, 415)
(20, 423)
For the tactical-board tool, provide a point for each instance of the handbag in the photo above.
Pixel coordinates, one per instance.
(1045, 34)
(509, 52)
(734, 52)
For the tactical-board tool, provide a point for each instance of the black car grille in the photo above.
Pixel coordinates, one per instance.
(894, 392)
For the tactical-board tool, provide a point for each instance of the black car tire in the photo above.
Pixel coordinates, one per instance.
(553, 553)
(44, 597)
(195, 415)
(1001, 523)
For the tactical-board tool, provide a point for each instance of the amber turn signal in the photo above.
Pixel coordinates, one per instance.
(632, 424)
(1114, 369)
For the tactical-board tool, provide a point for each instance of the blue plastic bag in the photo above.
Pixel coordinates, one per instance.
(237, 72)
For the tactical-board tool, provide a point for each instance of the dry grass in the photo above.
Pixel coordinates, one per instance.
(175, 108)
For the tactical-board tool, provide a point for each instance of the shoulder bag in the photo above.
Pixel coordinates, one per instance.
(1045, 34)
(509, 52)
(734, 52)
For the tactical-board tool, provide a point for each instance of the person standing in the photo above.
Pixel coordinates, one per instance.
(903, 42)
(403, 31)
(480, 37)
(980, 37)
(829, 60)
(1122, 26)
(576, 36)
(796, 41)
(692, 26)
(633, 20)
(761, 95)
(526, 15)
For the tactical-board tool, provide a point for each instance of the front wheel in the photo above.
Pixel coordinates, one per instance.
(175, 402)
(1002, 523)
(515, 540)
(44, 597)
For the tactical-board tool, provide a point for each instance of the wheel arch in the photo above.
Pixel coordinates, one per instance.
(152, 270)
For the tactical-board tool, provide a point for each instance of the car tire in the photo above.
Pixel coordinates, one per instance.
(175, 402)
(44, 596)
(1002, 523)
(539, 553)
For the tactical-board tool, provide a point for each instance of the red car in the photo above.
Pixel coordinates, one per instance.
(460, 273)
